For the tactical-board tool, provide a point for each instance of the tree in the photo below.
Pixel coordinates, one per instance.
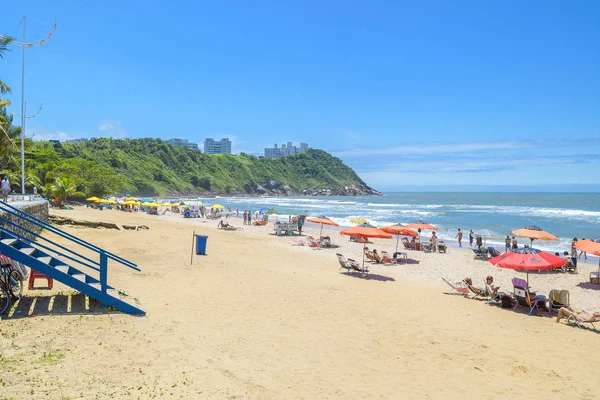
(62, 188)
(8, 135)
(4, 89)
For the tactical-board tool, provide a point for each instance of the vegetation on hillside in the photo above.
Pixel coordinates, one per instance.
(152, 167)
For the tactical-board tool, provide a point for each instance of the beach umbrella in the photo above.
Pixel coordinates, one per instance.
(421, 225)
(323, 221)
(217, 206)
(530, 261)
(399, 230)
(93, 198)
(366, 233)
(358, 221)
(534, 232)
(592, 247)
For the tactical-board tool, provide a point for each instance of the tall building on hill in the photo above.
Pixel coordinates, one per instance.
(212, 146)
(284, 150)
(183, 143)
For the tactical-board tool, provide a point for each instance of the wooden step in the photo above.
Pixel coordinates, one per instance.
(63, 268)
(8, 242)
(45, 260)
(110, 291)
(27, 250)
(80, 277)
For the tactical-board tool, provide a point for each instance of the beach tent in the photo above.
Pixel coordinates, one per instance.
(592, 247)
(323, 221)
(399, 230)
(365, 233)
(534, 232)
(528, 260)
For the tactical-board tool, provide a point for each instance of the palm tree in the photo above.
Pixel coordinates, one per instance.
(8, 134)
(4, 89)
(62, 188)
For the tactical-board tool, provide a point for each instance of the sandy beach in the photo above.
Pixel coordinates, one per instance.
(261, 317)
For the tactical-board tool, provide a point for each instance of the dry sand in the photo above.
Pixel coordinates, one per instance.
(259, 318)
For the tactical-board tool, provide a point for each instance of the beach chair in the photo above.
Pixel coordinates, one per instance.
(493, 252)
(427, 247)
(480, 253)
(458, 287)
(559, 298)
(442, 246)
(490, 297)
(386, 259)
(571, 265)
(406, 243)
(369, 255)
(349, 264)
(580, 320)
(475, 291)
(595, 278)
(524, 299)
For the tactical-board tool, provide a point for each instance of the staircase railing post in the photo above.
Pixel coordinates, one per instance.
(103, 271)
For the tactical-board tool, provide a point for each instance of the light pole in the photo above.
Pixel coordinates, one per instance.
(23, 44)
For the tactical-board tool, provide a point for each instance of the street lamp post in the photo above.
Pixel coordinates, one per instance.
(23, 44)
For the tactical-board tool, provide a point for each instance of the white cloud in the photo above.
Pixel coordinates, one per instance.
(39, 133)
(112, 129)
(432, 148)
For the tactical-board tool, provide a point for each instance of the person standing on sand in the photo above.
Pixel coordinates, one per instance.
(459, 236)
(583, 252)
(573, 248)
(300, 223)
(471, 237)
(434, 239)
(515, 245)
(507, 244)
(5, 187)
(249, 217)
(244, 217)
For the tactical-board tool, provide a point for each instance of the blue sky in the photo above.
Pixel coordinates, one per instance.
(406, 93)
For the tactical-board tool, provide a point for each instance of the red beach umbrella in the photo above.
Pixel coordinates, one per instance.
(366, 233)
(528, 261)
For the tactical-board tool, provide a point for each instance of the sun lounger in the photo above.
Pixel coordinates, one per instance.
(442, 247)
(481, 253)
(571, 265)
(559, 298)
(524, 299)
(578, 319)
(427, 248)
(458, 287)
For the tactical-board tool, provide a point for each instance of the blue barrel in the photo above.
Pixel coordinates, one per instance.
(201, 244)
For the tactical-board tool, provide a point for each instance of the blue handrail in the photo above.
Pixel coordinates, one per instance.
(29, 241)
(50, 241)
(36, 221)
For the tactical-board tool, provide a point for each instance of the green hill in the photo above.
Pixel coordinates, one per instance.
(151, 167)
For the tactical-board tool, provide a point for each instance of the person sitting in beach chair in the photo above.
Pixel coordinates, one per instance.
(578, 316)
(386, 259)
(406, 243)
(528, 300)
(477, 292)
(491, 291)
(376, 257)
(458, 287)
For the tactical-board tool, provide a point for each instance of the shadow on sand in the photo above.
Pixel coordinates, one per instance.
(59, 304)
(369, 277)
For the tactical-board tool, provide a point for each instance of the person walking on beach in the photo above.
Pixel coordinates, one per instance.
(507, 244)
(471, 237)
(249, 217)
(514, 244)
(244, 217)
(459, 236)
(5, 187)
(434, 239)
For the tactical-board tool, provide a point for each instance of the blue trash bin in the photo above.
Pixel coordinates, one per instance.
(201, 244)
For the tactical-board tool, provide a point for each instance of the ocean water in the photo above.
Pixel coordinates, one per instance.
(566, 215)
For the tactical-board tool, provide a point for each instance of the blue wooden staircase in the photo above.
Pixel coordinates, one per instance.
(44, 257)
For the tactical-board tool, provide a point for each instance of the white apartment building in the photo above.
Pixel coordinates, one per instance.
(212, 146)
(284, 150)
(183, 143)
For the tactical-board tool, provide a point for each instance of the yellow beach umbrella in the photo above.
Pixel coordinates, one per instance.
(93, 198)
(217, 206)
(358, 221)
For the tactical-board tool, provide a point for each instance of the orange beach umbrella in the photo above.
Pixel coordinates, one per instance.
(399, 230)
(534, 232)
(421, 225)
(589, 246)
(366, 233)
(322, 221)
